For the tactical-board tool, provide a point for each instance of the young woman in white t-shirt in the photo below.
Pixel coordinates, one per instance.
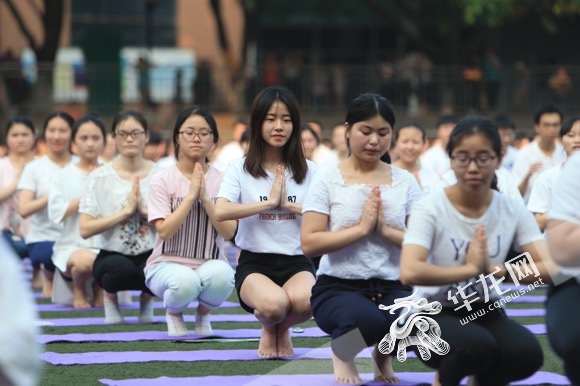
(457, 240)
(114, 206)
(264, 191)
(541, 196)
(562, 312)
(188, 261)
(409, 141)
(355, 216)
(34, 186)
(73, 255)
(20, 141)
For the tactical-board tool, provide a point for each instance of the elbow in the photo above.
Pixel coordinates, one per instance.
(219, 214)
(163, 235)
(407, 276)
(309, 249)
(84, 232)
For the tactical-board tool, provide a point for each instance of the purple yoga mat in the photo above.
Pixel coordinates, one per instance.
(133, 306)
(311, 332)
(68, 322)
(184, 356)
(541, 377)
(133, 320)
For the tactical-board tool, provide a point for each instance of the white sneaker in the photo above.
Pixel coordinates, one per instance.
(176, 325)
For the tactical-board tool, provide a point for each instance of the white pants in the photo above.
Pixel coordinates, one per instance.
(211, 284)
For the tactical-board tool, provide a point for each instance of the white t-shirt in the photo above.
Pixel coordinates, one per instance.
(105, 194)
(19, 351)
(9, 217)
(272, 231)
(68, 184)
(37, 177)
(196, 240)
(429, 180)
(436, 225)
(505, 182)
(530, 155)
(436, 159)
(372, 256)
(509, 159)
(565, 198)
(541, 195)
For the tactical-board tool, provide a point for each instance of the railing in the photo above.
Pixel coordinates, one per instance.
(323, 90)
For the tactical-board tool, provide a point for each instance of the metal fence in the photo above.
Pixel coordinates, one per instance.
(320, 90)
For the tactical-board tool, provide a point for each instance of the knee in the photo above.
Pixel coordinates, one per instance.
(300, 305)
(474, 354)
(220, 277)
(274, 309)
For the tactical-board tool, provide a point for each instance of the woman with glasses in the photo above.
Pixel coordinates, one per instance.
(73, 255)
(188, 261)
(114, 206)
(355, 216)
(460, 264)
(34, 186)
(264, 191)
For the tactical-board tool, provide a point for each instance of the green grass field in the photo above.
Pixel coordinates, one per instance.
(90, 374)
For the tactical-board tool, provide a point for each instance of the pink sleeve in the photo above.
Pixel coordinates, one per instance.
(159, 200)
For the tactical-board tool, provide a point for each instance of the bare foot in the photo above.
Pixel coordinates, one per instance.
(97, 295)
(267, 347)
(81, 303)
(36, 278)
(436, 380)
(384, 369)
(345, 372)
(284, 343)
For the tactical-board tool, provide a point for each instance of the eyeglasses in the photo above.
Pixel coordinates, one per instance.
(482, 160)
(189, 136)
(135, 134)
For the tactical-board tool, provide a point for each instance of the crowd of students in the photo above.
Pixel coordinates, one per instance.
(329, 234)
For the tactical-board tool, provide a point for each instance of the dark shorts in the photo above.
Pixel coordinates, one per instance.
(278, 268)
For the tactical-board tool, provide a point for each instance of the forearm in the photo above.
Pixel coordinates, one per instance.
(90, 226)
(392, 235)
(72, 208)
(523, 186)
(29, 207)
(423, 273)
(7, 192)
(226, 210)
(323, 242)
(167, 227)
(226, 229)
(293, 207)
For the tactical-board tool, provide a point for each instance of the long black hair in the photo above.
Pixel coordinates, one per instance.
(292, 153)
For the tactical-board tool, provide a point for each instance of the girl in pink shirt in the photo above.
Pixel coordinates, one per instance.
(188, 262)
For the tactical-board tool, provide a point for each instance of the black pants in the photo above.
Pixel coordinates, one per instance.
(494, 348)
(115, 272)
(348, 310)
(562, 316)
